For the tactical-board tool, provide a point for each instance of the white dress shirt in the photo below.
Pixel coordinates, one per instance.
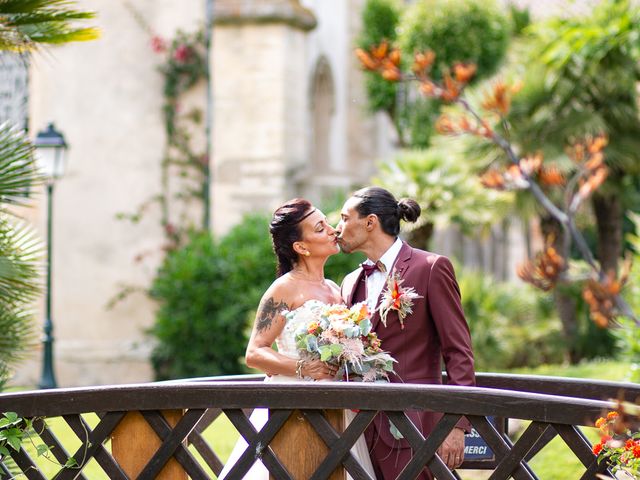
(377, 280)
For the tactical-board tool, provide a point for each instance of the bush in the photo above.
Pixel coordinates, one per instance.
(457, 31)
(208, 293)
(512, 325)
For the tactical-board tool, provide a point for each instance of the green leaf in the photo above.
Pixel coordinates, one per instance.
(42, 449)
(325, 352)
(14, 438)
(71, 463)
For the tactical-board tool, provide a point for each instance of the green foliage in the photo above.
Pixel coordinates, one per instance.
(20, 250)
(581, 77)
(462, 30)
(512, 325)
(208, 292)
(457, 31)
(443, 183)
(520, 18)
(380, 21)
(628, 333)
(27, 23)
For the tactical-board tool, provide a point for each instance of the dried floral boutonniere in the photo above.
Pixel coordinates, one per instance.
(397, 298)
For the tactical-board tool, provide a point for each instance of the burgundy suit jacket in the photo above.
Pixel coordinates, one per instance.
(435, 331)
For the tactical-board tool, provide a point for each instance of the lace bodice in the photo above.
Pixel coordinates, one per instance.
(286, 341)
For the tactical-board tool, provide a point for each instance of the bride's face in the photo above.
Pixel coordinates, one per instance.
(318, 237)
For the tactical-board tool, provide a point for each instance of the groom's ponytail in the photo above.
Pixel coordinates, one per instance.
(285, 231)
(389, 211)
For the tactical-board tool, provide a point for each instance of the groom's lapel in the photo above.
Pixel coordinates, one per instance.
(400, 266)
(352, 288)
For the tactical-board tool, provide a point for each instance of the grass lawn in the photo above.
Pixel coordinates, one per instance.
(554, 462)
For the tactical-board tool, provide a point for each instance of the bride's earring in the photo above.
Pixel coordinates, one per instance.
(307, 253)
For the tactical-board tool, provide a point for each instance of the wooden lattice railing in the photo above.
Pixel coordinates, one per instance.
(554, 407)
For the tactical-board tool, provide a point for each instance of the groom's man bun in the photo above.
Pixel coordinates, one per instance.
(409, 209)
(382, 203)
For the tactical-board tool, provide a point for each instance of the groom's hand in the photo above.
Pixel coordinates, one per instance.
(452, 449)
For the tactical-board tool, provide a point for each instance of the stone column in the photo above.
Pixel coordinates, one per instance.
(260, 105)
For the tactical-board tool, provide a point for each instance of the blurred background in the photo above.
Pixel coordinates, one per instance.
(188, 122)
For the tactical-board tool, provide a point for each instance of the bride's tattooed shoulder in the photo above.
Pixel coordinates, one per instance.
(267, 312)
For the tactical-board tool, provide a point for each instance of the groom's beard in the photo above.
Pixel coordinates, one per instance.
(344, 248)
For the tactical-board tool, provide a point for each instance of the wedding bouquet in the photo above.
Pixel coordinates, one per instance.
(342, 336)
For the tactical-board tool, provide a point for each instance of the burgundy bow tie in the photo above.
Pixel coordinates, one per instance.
(369, 268)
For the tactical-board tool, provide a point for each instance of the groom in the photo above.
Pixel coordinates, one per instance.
(435, 331)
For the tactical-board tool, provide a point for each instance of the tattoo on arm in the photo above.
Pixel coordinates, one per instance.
(267, 312)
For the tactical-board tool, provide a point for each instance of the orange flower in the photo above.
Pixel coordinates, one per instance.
(427, 88)
(451, 89)
(394, 57)
(446, 126)
(391, 74)
(422, 62)
(601, 422)
(366, 59)
(612, 415)
(464, 72)
(600, 296)
(313, 328)
(499, 101)
(531, 164)
(551, 176)
(544, 271)
(493, 179)
(379, 52)
(636, 451)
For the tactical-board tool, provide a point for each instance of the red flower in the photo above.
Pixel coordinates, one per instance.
(158, 45)
(597, 448)
(182, 53)
(636, 451)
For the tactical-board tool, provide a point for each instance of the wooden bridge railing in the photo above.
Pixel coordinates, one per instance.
(565, 405)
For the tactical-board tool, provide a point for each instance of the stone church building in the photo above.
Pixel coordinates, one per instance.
(288, 117)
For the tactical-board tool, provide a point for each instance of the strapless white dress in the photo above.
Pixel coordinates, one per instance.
(287, 346)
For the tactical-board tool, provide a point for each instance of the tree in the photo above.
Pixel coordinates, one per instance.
(525, 171)
(457, 31)
(444, 185)
(26, 24)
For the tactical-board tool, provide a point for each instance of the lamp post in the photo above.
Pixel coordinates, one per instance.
(51, 150)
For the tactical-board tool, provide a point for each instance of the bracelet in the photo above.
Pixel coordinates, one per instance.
(299, 366)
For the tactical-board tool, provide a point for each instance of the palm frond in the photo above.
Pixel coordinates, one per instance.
(27, 23)
(18, 172)
(20, 263)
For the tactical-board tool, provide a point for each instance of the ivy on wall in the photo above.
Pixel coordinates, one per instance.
(183, 162)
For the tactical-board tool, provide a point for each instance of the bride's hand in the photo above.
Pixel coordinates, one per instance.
(319, 370)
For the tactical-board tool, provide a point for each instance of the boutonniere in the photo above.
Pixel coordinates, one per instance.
(396, 297)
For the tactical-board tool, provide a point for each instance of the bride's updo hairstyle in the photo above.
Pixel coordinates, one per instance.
(285, 231)
(389, 211)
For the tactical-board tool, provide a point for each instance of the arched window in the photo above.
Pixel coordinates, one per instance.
(322, 109)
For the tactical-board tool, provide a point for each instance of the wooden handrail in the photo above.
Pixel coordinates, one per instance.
(554, 405)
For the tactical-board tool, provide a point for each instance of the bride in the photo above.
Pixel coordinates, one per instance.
(302, 241)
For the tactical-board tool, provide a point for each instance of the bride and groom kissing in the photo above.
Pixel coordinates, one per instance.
(433, 331)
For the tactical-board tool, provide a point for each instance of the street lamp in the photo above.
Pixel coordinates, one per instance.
(51, 157)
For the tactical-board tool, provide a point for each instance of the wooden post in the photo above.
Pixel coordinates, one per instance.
(134, 442)
(300, 449)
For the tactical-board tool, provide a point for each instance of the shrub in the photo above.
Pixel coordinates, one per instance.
(457, 31)
(512, 325)
(208, 293)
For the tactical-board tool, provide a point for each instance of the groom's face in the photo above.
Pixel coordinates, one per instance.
(352, 232)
